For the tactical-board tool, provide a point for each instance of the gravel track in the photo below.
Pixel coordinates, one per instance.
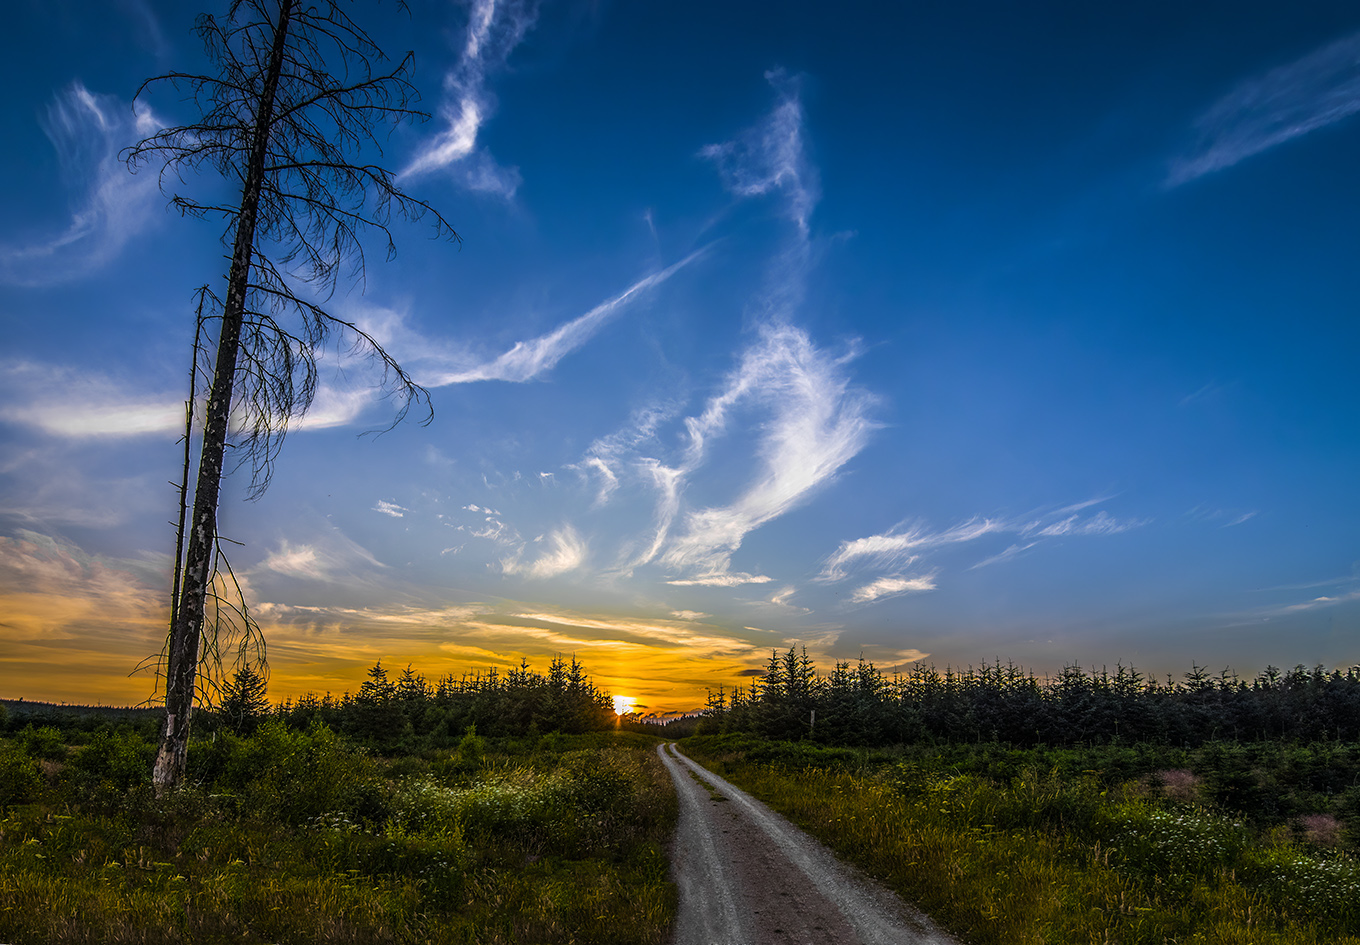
(748, 877)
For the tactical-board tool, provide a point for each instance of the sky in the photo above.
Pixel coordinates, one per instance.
(917, 332)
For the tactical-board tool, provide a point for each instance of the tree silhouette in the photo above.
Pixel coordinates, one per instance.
(296, 99)
(245, 702)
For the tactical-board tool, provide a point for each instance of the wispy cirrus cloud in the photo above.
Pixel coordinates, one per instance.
(495, 28)
(901, 547)
(114, 207)
(721, 579)
(70, 403)
(1010, 552)
(771, 157)
(566, 552)
(530, 359)
(329, 557)
(1320, 602)
(390, 508)
(432, 363)
(893, 586)
(1223, 518)
(896, 549)
(1285, 103)
(76, 404)
(817, 421)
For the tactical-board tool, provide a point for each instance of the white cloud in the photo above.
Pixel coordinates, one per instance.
(1223, 518)
(495, 28)
(333, 407)
(115, 206)
(894, 550)
(492, 528)
(772, 156)
(608, 481)
(813, 420)
(1099, 524)
(688, 614)
(76, 404)
(566, 552)
(899, 549)
(817, 423)
(1006, 555)
(1316, 603)
(1285, 103)
(528, 359)
(390, 508)
(892, 587)
(721, 579)
(332, 556)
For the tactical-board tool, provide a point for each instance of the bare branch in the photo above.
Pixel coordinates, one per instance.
(293, 102)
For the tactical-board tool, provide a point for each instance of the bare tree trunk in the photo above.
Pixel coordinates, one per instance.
(187, 633)
(188, 459)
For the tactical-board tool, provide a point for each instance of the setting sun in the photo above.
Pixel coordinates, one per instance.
(624, 704)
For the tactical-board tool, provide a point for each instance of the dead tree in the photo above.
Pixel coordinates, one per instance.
(299, 97)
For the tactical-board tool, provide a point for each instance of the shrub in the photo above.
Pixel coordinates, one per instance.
(1176, 784)
(294, 776)
(20, 777)
(44, 742)
(110, 763)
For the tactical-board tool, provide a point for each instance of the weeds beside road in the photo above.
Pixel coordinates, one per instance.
(1045, 858)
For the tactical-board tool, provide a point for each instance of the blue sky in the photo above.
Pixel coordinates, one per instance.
(949, 333)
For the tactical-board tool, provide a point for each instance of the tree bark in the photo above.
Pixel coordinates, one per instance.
(186, 634)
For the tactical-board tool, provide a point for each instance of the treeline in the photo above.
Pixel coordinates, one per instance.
(18, 714)
(408, 713)
(857, 704)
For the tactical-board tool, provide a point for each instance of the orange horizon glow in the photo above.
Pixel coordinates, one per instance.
(86, 652)
(83, 624)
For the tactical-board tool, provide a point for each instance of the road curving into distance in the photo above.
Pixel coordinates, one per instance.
(747, 876)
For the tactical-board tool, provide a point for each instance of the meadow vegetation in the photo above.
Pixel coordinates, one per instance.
(291, 830)
(1084, 808)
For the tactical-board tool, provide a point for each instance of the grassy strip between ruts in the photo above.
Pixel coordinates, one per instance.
(295, 837)
(1049, 861)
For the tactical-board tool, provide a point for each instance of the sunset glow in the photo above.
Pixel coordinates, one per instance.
(872, 336)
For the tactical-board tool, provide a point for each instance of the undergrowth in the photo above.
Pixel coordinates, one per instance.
(296, 836)
(1052, 856)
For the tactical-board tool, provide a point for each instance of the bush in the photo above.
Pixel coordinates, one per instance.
(294, 776)
(110, 763)
(21, 779)
(45, 742)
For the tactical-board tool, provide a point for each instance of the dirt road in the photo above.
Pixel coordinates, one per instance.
(749, 877)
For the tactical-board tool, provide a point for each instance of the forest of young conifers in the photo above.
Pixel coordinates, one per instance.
(409, 713)
(858, 705)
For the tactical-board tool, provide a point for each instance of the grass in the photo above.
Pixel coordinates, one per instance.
(291, 837)
(1047, 860)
